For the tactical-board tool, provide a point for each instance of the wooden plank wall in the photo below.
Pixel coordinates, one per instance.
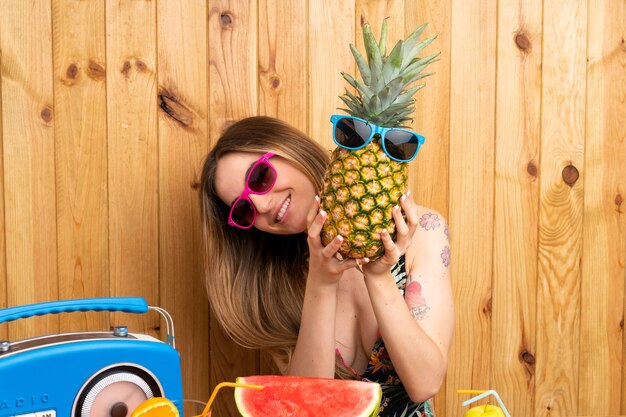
(107, 108)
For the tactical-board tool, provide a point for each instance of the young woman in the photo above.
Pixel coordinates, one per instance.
(272, 285)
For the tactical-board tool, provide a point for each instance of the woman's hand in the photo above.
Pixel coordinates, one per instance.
(405, 229)
(324, 264)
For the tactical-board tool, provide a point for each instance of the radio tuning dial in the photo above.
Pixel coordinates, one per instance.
(5, 345)
(120, 331)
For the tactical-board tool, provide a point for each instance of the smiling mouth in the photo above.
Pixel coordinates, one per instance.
(283, 209)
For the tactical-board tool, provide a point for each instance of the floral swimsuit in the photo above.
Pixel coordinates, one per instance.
(395, 401)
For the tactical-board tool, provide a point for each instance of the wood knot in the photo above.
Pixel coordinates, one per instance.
(618, 201)
(126, 68)
(531, 168)
(527, 357)
(95, 70)
(141, 66)
(46, 114)
(275, 81)
(621, 324)
(522, 41)
(226, 19)
(176, 110)
(72, 72)
(488, 307)
(570, 175)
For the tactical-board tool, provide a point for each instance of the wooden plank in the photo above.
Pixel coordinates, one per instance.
(604, 227)
(3, 256)
(283, 61)
(81, 154)
(133, 156)
(472, 113)
(331, 30)
(233, 60)
(518, 135)
(429, 173)
(283, 78)
(28, 150)
(233, 94)
(183, 129)
(561, 207)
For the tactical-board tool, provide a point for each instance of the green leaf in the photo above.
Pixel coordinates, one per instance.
(385, 97)
(418, 76)
(409, 93)
(371, 47)
(374, 105)
(393, 63)
(363, 90)
(349, 79)
(411, 52)
(411, 40)
(395, 87)
(361, 64)
(398, 108)
(354, 98)
(416, 33)
(354, 108)
(383, 38)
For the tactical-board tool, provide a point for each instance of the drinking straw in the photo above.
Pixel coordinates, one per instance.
(483, 394)
(206, 410)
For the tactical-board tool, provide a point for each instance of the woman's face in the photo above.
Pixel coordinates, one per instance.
(283, 210)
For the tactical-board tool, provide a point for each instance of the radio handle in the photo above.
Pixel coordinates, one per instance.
(124, 304)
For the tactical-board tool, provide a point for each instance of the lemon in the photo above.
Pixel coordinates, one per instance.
(485, 411)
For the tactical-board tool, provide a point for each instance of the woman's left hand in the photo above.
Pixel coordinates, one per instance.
(405, 229)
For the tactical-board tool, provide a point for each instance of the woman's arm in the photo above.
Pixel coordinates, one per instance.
(417, 329)
(314, 354)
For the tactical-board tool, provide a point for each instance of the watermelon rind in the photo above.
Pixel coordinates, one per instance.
(290, 406)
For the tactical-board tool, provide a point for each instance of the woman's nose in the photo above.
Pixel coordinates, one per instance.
(262, 203)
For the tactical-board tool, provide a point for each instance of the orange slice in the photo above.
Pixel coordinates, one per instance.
(156, 407)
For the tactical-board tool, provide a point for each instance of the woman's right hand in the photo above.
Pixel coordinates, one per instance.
(325, 265)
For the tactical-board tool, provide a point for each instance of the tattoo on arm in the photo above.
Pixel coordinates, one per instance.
(430, 221)
(415, 300)
(445, 256)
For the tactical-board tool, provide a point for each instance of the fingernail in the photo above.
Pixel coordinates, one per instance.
(317, 198)
(403, 197)
(408, 193)
(396, 208)
(340, 238)
(322, 213)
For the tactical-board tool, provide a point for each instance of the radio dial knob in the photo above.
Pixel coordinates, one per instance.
(120, 331)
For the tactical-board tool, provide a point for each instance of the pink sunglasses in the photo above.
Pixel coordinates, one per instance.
(260, 180)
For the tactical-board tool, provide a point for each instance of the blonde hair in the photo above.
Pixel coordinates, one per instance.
(256, 280)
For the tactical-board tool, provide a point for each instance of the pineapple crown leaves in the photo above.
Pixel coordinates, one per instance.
(383, 95)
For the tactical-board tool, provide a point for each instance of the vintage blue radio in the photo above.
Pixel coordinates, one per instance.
(82, 374)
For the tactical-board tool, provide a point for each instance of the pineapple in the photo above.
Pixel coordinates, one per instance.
(362, 186)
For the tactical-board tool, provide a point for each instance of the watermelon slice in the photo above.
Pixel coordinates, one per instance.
(295, 396)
